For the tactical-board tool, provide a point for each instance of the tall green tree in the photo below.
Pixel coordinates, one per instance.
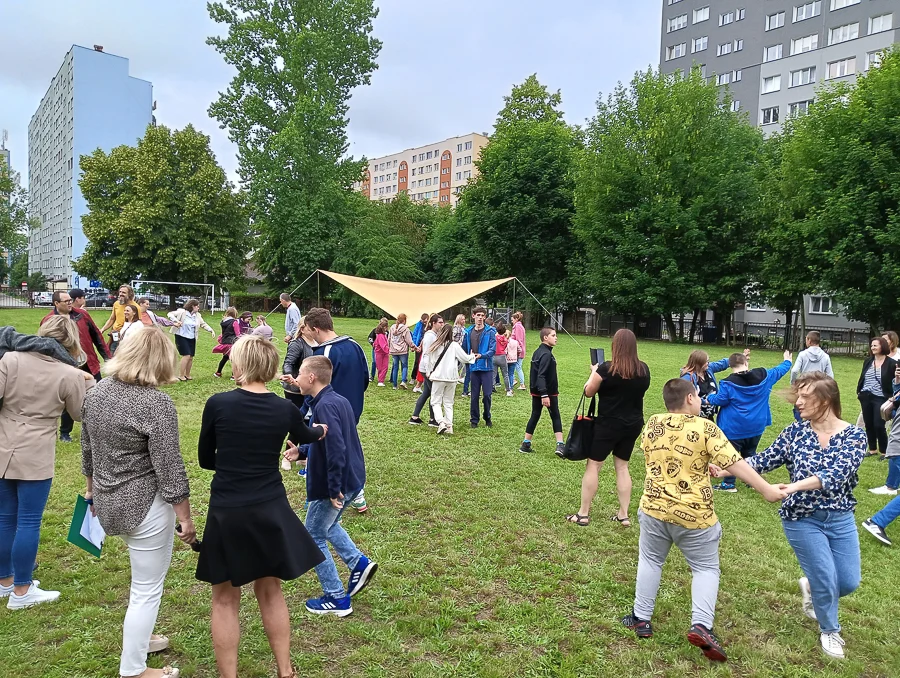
(668, 198)
(163, 210)
(297, 62)
(14, 221)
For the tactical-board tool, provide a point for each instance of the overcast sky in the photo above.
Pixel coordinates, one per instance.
(443, 69)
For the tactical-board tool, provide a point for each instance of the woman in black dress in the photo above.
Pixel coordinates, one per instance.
(252, 534)
(620, 385)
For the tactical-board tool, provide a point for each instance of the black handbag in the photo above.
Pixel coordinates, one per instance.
(581, 434)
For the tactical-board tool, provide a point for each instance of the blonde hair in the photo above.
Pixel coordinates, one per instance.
(145, 357)
(231, 312)
(254, 359)
(65, 331)
(460, 320)
(320, 366)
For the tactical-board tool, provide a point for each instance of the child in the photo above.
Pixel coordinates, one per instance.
(677, 508)
(381, 351)
(512, 360)
(500, 355)
(444, 357)
(336, 474)
(544, 390)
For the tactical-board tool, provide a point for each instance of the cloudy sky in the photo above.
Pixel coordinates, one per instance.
(443, 69)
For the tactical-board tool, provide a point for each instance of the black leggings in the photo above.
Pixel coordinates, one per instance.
(537, 408)
(871, 412)
(222, 363)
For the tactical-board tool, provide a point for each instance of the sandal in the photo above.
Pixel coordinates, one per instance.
(158, 643)
(624, 522)
(181, 379)
(578, 519)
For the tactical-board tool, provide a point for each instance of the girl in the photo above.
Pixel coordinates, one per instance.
(187, 320)
(231, 330)
(701, 373)
(372, 336)
(518, 333)
(500, 355)
(512, 358)
(444, 357)
(381, 350)
(401, 341)
(131, 318)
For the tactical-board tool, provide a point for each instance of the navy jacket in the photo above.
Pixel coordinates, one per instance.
(350, 376)
(335, 464)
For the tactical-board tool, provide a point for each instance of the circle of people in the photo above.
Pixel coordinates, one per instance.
(138, 490)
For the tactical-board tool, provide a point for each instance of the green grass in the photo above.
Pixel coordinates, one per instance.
(479, 575)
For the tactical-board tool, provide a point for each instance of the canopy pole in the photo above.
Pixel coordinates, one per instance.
(294, 290)
(514, 294)
(318, 289)
(548, 313)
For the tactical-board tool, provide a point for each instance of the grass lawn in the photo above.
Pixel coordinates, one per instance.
(479, 574)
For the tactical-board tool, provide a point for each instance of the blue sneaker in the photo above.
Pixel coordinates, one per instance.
(302, 472)
(340, 607)
(362, 574)
(725, 487)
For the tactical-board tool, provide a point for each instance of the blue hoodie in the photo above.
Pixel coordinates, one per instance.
(486, 348)
(718, 366)
(335, 464)
(350, 376)
(744, 399)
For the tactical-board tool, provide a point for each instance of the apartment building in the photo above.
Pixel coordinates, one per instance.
(772, 54)
(91, 103)
(435, 173)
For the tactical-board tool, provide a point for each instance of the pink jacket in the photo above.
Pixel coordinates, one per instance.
(518, 333)
(381, 343)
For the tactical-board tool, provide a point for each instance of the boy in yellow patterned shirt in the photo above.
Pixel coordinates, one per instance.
(677, 508)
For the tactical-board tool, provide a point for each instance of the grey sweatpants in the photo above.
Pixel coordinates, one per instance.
(701, 551)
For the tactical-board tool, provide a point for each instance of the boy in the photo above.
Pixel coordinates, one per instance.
(813, 359)
(744, 398)
(544, 390)
(335, 475)
(481, 339)
(677, 508)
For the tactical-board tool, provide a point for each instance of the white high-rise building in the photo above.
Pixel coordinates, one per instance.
(92, 103)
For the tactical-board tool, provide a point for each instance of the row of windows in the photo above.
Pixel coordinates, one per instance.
(385, 165)
(384, 177)
(676, 23)
(807, 76)
(818, 305)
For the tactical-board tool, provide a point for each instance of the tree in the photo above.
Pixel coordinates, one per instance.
(519, 208)
(14, 221)
(667, 198)
(162, 210)
(18, 271)
(286, 109)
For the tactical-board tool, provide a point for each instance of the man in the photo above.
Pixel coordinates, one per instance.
(90, 338)
(481, 340)
(148, 317)
(813, 359)
(292, 318)
(117, 317)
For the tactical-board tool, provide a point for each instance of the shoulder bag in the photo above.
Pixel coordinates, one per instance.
(581, 434)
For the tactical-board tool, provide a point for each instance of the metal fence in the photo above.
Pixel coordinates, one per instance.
(14, 298)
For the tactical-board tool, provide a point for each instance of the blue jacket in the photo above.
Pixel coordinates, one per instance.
(744, 399)
(718, 366)
(350, 377)
(486, 348)
(335, 464)
(418, 331)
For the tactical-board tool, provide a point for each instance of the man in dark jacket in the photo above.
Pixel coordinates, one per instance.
(544, 390)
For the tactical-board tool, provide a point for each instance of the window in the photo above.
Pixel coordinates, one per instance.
(769, 116)
(741, 14)
(822, 305)
(699, 44)
(701, 14)
(445, 170)
(799, 108)
(881, 23)
(772, 53)
(724, 48)
(421, 157)
(738, 45)
(429, 168)
(676, 51)
(873, 60)
(459, 148)
(838, 69)
(754, 306)
(458, 176)
(723, 78)
(428, 155)
(805, 76)
(467, 174)
(736, 75)
(468, 145)
(774, 21)
(428, 181)
(413, 158)
(771, 84)
(395, 163)
(677, 23)
(459, 160)
(445, 198)
(468, 160)
(807, 44)
(726, 18)
(843, 33)
(807, 10)
(735, 105)
(446, 156)
(840, 4)
(672, 2)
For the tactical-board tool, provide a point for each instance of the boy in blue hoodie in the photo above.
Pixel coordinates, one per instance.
(335, 475)
(743, 397)
(481, 339)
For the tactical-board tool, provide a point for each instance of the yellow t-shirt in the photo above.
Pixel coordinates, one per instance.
(119, 310)
(678, 449)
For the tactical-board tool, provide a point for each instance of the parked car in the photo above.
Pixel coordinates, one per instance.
(43, 298)
(99, 299)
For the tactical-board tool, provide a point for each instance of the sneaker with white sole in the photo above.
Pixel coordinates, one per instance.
(339, 607)
(361, 575)
(33, 596)
(5, 591)
(876, 531)
(808, 608)
(832, 644)
(285, 465)
(885, 490)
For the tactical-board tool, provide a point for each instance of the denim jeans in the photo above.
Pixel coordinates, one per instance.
(747, 448)
(397, 360)
(22, 505)
(888, 514)
(467, 380)
(893, 476)
(510, 374)
(323, 526)
(519, 373)
(372, 371)
(484, 382)
(827, 546)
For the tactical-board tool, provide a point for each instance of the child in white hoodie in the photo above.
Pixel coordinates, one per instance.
(444, 357)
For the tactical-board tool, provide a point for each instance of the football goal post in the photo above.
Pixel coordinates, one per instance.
(168, 294)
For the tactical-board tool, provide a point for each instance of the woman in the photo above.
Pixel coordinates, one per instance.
(263, 329)
(701, 373)
(231, 330)
(132, 320)
(893, 340)
(381, 350)
(187, 319)
(620, 385)
(252, 533)
(372, 337)
(435, 322)
(873, 389)
(401, 341)
(136, 479)
(444, 357)
(518, 333)
(822, 454)
(35, 389)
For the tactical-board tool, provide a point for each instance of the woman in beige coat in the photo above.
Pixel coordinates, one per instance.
(34, 391)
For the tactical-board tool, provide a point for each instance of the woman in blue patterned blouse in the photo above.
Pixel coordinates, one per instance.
(822, 454)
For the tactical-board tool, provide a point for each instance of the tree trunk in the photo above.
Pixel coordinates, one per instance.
(681, 326)
(726, 322)
(802, 320)
(694, 325)
(670, 327)
(788, 321)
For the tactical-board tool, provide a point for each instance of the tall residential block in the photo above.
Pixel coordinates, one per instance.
(772, 54)
(434, 173)
(92, 103)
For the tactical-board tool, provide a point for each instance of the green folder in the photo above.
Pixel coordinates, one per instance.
(79, 527)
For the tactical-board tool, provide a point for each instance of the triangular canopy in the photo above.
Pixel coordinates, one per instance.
(413, 299)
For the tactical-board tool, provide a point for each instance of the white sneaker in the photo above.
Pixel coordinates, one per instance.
(808, 608)
(832, 644)
(884, 489)
(5, 591)
(509, 394)
(417, 390)
(34, 596)
(380, 383)
(285, 465)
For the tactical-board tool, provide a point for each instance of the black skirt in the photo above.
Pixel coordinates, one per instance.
(244, 543)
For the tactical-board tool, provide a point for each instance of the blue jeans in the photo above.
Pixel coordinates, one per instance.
(323, 526)
(22, 505)
(372, 371)
(888, 514)
(827, 546)
(397, 360)
(510, 373)
(484, 382)
(519, 373)
(747, 448)
(893, 477)
(467, 379)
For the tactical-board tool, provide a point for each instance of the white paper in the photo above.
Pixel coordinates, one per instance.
(92, 530)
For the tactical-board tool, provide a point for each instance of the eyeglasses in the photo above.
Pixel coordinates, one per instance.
(65, 301)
